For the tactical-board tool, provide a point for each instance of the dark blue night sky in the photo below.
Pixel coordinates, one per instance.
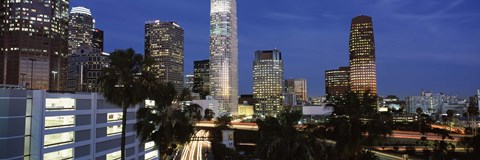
(421, 44)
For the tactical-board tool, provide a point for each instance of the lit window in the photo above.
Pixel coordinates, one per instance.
(114, 155)
(149, 145)
(65, 154)
(59, 122)
(60, 104)
(113, 130)
(151, 155)
(113, 117)
(58, 139)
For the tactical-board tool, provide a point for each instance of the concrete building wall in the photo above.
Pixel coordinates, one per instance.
(44, 125)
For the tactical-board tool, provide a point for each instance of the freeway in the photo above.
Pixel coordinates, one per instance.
(395, 134)
(195, 150)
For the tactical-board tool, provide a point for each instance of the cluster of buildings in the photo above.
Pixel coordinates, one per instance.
(58, 54)
(361, 75)
(45, 46)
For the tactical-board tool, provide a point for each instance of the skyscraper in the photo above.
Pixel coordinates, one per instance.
(201, 77)
(34, 43)
(268, 82)
(363, 73)
(224, 54)
(298, 87)
(80, 28)
(86, 58)
(164, 44)
(337, 82)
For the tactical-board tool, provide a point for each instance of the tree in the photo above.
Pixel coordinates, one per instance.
(163, 124)
(208, 114)
(125, 83)
(366, 154)
(280, 139)
(194, 111)
(186, 95)
(223, 122)
(354, 116)
(473, 113)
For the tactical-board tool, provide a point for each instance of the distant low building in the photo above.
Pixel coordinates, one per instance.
(245, 110)
(208, 103)
(435, 103)
(318, 100)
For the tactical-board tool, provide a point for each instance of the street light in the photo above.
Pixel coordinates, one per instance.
(23, 79)
(54, 78)
(31, 74)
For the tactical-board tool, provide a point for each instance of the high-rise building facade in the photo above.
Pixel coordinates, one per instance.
(224, 54)
(363, 72)
(85, 66)
(164, 43)
(34, 43)
(299, 88)
(201, 77)
(268, 82)
(86, 58)
(337, 83)
(80, 28)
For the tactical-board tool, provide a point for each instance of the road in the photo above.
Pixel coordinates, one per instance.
(195, 150)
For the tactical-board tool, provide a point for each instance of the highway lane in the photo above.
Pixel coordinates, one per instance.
(195, 150)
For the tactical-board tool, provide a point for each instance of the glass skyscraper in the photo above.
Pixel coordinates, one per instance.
(34, 43)
(164, 44)
(224, 54)
(363, 73)
(268, 82)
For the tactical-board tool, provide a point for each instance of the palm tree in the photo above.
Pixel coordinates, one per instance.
(124, 83)
(280, 139)
(163, 124)
(194, 111)
(208, 114)
(224, 122)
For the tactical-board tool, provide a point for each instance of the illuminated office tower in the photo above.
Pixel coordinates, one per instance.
(363, 73)
(164, 45)
(224, 54)
(80, 28)
(337, 83)
(268, 82)
(34, 43)
(299, 89)
(201, 77)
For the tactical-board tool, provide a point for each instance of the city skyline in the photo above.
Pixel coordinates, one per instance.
(326, 44)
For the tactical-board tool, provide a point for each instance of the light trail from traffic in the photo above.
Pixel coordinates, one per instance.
(194, 149)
